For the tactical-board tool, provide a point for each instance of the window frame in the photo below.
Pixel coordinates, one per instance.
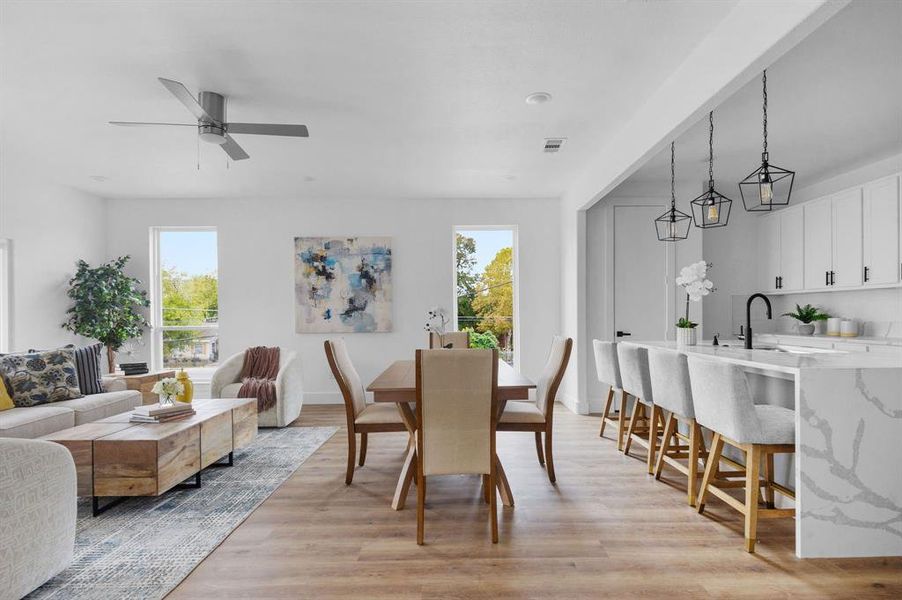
(156, 293)
(515, 276)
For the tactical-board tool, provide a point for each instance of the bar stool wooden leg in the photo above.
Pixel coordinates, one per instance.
(711, 467)
(653, 438)
(769, 479)
(752, 466)
(669, 426)
(695, 435)
(607, 408)
(621, 421)
(637, 408)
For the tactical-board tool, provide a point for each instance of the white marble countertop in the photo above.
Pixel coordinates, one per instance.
(792, 362)
(860, 339)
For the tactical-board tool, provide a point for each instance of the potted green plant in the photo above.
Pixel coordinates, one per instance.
(806, 316)
(694, 279)
(106, 305)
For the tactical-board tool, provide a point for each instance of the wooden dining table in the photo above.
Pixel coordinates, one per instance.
(398, 384)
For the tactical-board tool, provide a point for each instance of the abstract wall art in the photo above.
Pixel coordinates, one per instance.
(342, 285)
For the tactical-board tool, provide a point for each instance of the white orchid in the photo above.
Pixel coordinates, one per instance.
(694, 279)
(436, 320)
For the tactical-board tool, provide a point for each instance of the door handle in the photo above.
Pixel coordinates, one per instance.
(623, 333)
(832, 277)
(777, 283)
(826, 277)
(866, 273)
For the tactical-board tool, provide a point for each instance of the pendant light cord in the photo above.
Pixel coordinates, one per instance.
(764, 85)
(711, 149)
(672, 183)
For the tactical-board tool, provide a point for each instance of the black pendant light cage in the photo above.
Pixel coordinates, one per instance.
(768, 186)
(711, 209)
(673, 225)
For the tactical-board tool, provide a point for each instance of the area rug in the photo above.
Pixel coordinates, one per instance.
(142, 548)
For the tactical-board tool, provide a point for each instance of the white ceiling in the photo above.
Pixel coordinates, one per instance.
(404, 99)
(834, 104)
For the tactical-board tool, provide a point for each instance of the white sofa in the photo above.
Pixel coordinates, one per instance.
(37, 514)
(37, 421)
(289, 387)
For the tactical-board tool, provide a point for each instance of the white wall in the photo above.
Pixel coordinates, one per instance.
(50, 227)
(735, 247)
(256, 268)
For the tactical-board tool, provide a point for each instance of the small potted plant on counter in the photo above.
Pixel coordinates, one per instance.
(806, 316)
(693, 279)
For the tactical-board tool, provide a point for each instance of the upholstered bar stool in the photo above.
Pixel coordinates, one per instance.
(608, 369)
(646, 417)
(673, 395)
(723, 403)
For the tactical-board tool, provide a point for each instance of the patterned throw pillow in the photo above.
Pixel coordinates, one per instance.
(41, 377)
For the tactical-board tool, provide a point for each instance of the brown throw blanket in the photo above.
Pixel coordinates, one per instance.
(258, 376)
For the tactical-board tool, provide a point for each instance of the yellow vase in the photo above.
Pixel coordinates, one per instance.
(187, 395)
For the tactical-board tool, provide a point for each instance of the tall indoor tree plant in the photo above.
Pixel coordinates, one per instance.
(106, 305)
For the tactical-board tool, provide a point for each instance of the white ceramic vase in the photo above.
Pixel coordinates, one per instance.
(686, 336)
(806, 328)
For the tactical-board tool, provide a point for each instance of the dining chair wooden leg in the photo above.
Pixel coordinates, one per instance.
(711, 467)
(653, 438)
(362, 449)
(352, 457)
(487, 482)
(769, 479)
(421, 508)
(539, 452)
(695, 434)
(634, 417)
(493, 506)
(607, 408)
(621, 421)
(669, 427)
(752, 466)
(549, 459)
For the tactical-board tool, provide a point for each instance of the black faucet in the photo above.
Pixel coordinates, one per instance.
(748, 317)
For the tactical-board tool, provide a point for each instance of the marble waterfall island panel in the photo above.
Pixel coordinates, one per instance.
(343, 285)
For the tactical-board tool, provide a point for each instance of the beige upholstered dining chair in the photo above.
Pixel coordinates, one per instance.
(457, 393)
(452, 339)
(362, 418)
(538, 417)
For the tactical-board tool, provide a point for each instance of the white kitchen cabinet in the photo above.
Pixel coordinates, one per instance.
(780, 247)
(792, 240)
(847, 243)
(818, 243)
(881, 232)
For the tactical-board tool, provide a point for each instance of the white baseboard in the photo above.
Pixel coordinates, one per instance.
(323, 398)
(574, 404)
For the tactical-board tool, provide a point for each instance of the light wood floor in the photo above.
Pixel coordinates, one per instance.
(606, 530)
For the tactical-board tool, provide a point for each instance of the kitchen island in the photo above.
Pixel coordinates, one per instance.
(847, 470)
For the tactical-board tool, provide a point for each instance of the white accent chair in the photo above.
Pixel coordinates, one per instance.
(289, 387)
(607, 368)
(724, 404)
(37, 514)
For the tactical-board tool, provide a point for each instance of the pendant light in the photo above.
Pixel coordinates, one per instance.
(711, 209)
(767, 186)
(673, 225)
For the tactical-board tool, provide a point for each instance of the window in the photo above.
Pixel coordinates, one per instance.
(486, 286)
(185, 299)
(5, 296)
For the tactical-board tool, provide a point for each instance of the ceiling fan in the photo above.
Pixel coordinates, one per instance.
(210, 111)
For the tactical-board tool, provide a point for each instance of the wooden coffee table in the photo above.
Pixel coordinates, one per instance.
(115, 458)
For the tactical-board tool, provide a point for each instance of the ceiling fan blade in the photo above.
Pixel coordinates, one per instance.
(268, 129)
(143, 124)
(234, 151)
(184, 96)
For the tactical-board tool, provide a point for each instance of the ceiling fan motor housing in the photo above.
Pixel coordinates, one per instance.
(214, 105)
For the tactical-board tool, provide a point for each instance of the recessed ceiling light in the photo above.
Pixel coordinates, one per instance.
(538, 98)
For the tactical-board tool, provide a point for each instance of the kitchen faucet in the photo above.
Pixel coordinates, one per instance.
(748, 317)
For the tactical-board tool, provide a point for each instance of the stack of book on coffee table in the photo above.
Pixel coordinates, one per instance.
(155, 413)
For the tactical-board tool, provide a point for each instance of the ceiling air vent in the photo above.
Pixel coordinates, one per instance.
(554, 144)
